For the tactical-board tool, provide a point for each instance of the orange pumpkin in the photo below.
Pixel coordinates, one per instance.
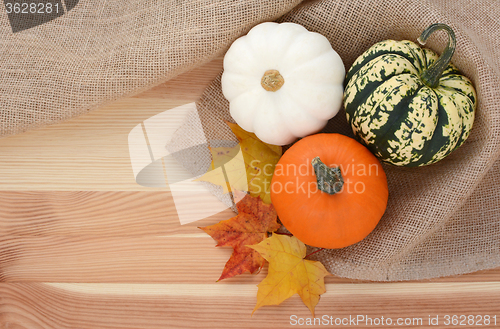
(329, 190)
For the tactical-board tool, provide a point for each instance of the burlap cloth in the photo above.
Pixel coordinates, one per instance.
(441, 219)
(102, 50)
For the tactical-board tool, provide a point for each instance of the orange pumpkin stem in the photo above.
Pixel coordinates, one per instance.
(329, 180)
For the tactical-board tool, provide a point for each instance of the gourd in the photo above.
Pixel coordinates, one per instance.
(329, 190)
(282, 82)
(406, 104)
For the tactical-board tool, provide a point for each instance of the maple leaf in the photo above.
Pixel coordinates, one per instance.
(228, 169)
(248, 166)
(289, 273)
(222, 155)
(252, 224)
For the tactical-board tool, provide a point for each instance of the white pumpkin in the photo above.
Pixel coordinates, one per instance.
(282, 82)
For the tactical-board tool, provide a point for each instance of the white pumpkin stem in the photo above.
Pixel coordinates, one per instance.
(329, 180)
(272, 80)
(432, 75)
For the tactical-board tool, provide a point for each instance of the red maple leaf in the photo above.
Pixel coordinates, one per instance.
(254, 221)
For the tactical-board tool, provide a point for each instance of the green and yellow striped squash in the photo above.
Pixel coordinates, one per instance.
(409, 106)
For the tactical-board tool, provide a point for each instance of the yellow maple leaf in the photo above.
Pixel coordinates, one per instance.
(228, 169)
(248, 166)
(222, 155)
(289, 273)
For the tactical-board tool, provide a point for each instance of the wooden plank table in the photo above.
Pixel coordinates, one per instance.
(82, 245)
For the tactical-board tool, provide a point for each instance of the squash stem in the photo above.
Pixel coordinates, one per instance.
(329, 180)
(272, 80)
(432, 75)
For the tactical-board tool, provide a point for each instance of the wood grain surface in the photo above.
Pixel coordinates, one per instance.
(82, 245)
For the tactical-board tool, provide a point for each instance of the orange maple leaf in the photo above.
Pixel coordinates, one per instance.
(252, 224)
(289, 273)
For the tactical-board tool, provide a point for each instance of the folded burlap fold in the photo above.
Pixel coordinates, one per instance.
(441, 219)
